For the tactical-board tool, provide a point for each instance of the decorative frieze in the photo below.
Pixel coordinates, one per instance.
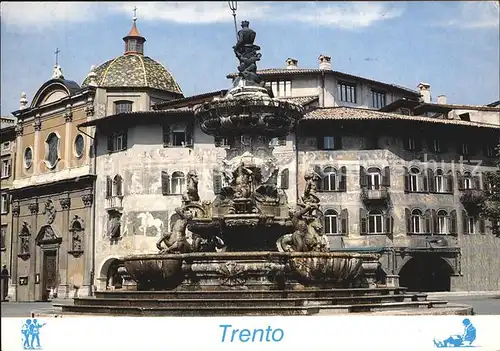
(33, 207)
(88, 199)
(65, 203)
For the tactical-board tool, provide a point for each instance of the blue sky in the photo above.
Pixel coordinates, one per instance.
(454, 46)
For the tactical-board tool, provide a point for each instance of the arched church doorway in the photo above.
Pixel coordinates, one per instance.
(426, 273)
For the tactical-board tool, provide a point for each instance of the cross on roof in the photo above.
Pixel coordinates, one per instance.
(57, 55)
(135, 13)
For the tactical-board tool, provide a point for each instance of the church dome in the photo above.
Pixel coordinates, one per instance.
(133, 69)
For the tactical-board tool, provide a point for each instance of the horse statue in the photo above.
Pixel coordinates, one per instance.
(191, 188)
(176, 241)
(147, 220)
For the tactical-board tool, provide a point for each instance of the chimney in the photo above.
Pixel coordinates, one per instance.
(425, 92)
(291, 63)
(325, 62)
(442, 99)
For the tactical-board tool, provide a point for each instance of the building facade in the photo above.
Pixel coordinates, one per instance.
(7, 158)
(404, 182)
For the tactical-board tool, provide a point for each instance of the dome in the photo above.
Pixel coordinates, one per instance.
(134, 70)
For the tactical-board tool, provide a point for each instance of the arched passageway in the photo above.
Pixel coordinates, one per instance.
(426, 273)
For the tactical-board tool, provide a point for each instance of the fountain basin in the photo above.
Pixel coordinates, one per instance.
(254, 114)
(248, 270)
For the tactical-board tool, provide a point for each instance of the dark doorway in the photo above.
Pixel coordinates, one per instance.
(425, 273)
(49, 273)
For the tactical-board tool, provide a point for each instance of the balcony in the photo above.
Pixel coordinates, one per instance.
(114, 202)
(375, 195)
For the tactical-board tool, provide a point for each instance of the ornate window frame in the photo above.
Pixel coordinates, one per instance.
(75, 152)
(46, 161)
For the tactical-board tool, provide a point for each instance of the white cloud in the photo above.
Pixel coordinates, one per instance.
(475, 15)
(192, 12)
(32, 16)
(347, 16)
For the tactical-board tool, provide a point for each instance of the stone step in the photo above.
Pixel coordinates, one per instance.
(246, 294)
(294, 301)
(256, 310)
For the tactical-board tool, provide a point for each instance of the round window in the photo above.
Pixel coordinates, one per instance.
(28, 157)
(79, 145)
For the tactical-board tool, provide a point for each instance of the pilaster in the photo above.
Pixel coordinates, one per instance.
(62, 288)
(14, 248)
(88, 202)
(32, 296)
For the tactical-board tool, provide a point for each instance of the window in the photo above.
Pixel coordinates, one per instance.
(411, 145)
(328, 143)
(117, 185)
(464, 149)
(464, 116)
(331, 222)
(375, 222)
(177, 135)
(378, 99)
(178, 183)
(373, 178)
(6, 146)
(132, 45)
(417, 221)
(79, 145)
(439, 181)
(4, 204)
(123, 106)
(6, 168)
(281, 88)
(117, 141)
(442, 222)
(52, 150)
(347, 92)
(468, 181)
(489, 150)
(3, 236)
(278, 141)
(329, 179)
(470, 225)
(436, 145)
(221, 142)
(28, 157)
(414, 179)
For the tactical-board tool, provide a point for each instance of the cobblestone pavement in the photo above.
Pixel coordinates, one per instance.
(482, 305)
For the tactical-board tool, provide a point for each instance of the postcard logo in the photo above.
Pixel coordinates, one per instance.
(31, 334)
(466, 339)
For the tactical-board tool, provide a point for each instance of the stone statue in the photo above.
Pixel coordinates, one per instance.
(191, 188)
(310, 190)
(308, 234)
(25, 245)
(243, 182)
(49, 211)
(57, 72)
(175, 241)
(114, 226)
(246, 52)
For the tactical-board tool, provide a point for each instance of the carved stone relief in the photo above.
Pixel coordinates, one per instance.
(49, 211)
